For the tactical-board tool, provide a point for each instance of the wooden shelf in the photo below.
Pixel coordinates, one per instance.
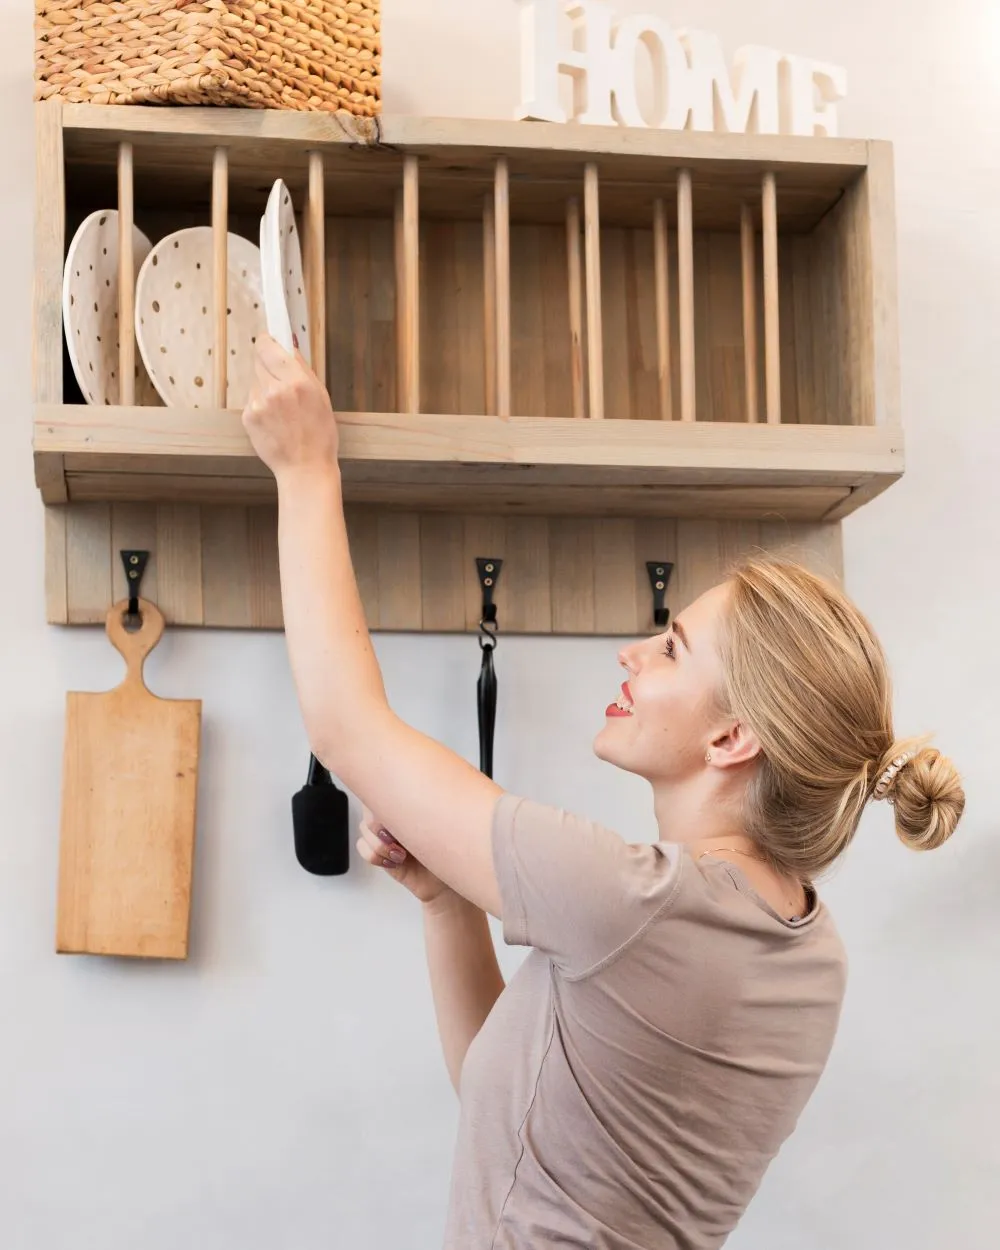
(696, 334)
(543, 466)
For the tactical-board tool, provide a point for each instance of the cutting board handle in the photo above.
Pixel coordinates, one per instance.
(134, 645)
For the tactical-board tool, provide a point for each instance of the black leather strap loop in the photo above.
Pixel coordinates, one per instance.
(486, 693)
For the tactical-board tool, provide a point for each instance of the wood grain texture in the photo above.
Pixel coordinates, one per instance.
(457, 159)
(595, 333)
(315, 259)
(772, 349)
(661, 252)
(130, 776)
(220, 276)
(416, 569)
(408, 271)
(399, 256)
(501, 285)
(56, 589)
(574, 267)
(875, 262)
(490, 303)
(50, 246)
(126, 276)
(686, 286)
(89, 562)
(411, 285)
(138, 439)
(748, 247)
(180, 588)
(225, 567)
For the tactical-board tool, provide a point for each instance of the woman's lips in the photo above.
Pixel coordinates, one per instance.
(614, 710)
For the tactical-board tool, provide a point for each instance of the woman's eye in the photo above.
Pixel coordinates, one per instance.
(668, 648)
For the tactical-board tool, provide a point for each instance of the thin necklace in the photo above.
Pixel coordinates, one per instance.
(735, 850)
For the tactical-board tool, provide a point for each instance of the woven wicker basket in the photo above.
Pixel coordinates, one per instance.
(289, 54)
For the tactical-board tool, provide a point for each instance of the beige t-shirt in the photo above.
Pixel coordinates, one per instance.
(651, 1054)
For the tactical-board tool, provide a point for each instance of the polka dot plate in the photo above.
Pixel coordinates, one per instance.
(174, 322)
(281, 270)
(90, 309)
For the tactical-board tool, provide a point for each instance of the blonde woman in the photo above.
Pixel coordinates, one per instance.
(630, 1085)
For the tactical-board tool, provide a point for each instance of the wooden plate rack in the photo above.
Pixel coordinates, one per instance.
(576, 349)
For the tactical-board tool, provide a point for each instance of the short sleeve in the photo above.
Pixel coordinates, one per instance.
(572, 889)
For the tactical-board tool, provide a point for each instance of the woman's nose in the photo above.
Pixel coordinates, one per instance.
(627, 657)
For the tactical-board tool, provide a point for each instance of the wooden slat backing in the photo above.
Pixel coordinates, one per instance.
(218, 565)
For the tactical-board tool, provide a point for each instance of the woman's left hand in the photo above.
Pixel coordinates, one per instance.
(289, 416)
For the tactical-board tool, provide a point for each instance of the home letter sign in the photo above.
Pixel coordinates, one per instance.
(767, 92)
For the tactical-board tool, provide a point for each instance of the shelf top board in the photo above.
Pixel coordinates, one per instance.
(363, 159)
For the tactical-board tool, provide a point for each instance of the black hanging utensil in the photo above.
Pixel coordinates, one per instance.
(486, 688)
(321, 824)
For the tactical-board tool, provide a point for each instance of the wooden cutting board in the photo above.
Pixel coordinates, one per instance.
(130, 776)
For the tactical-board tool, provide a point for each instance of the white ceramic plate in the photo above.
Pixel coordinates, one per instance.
(174, 321)
(90, 309)
(281, 271)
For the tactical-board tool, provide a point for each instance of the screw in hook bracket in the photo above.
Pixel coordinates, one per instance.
(134, 563)
(659, 579)
(488, 569)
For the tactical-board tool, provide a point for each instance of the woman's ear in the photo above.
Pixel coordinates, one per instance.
(736, 744)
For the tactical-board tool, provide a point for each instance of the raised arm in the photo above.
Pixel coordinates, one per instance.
(438, 806)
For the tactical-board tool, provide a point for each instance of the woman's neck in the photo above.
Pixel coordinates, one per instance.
(694, 812)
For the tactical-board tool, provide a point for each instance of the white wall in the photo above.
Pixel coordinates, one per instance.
(283, 1091)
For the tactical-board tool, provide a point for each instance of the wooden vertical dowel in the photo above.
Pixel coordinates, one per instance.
(399, 248)
(126, 277)
(490, 303)
(316, 265)
(661, 269)
(772, 348)
(411, 283)
(685, 279)
(748, 245)
(592, 247)
(574, 268)
(501, 226)
(220, 275)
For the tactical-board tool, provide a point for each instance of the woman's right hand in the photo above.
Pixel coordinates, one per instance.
(378, 847)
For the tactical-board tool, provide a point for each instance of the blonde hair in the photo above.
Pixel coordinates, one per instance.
(805, 672)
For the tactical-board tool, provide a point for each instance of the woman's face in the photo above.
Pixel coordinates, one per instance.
(668, 715)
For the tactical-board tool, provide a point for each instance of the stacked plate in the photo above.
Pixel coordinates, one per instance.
(281, 271)
(174, 325)
(174, 322)
(90, 309)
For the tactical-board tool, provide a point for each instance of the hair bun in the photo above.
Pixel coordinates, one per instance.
(928, 799)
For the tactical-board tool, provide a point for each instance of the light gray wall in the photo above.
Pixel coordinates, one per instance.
(283, 1090)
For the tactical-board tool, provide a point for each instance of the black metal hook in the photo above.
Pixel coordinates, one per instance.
(659, 578)
(489, 572)
(135, 566)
